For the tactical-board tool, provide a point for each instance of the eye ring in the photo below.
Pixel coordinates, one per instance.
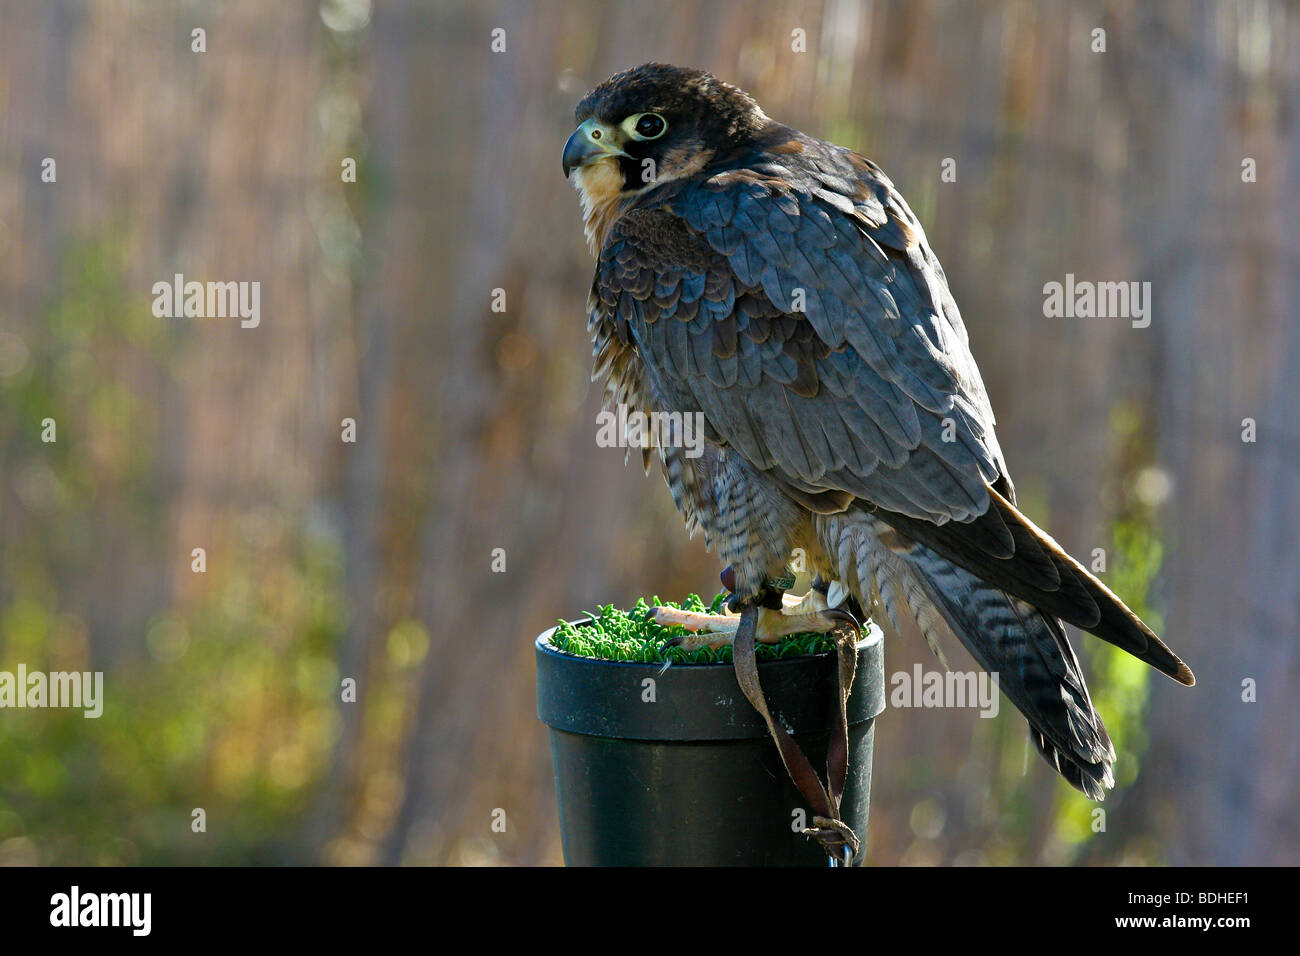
(645, 126)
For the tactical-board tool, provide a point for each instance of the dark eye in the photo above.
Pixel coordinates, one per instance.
(649, 126)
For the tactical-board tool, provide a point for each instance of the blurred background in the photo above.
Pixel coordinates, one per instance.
(475, 429)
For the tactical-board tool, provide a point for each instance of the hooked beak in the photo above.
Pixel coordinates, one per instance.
(590, 142)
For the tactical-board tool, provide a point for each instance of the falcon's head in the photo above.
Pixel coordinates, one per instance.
(650, 125)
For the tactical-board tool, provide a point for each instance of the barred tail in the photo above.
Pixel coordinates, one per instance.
(1035, 664)
(1027, 649)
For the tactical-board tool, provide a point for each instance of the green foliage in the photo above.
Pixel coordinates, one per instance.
(614, 635)
(224, 695)
(231, 711)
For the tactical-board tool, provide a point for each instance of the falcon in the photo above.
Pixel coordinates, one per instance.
(778, 288)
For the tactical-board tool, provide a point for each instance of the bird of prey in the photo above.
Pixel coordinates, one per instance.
(778, 287)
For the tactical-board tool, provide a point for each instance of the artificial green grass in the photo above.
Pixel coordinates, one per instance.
(614, 635)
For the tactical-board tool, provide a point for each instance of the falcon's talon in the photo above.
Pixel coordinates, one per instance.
(842, 615)
(705, 630)
(797, 615)
(728, 578)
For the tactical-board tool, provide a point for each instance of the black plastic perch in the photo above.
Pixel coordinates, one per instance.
(682, 772)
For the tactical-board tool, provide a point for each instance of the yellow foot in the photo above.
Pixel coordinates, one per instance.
(797, 616)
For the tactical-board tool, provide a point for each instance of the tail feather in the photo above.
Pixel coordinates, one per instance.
(1027, 649)
(1037, 570)
(1036, 667)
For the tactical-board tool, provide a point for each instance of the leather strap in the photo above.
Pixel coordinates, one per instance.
(833, 834)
